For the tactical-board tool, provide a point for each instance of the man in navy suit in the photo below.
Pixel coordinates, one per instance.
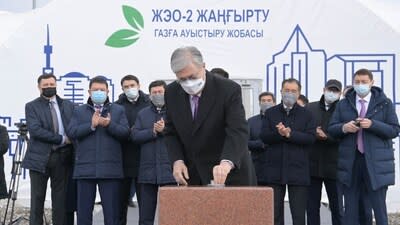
(98, 127)
(365, 122)
(49, 150)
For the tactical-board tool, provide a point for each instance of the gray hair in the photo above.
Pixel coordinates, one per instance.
(183, 56)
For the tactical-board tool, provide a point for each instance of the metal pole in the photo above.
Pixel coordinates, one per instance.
(33, 4)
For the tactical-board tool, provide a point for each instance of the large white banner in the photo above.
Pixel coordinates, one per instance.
(310, 40)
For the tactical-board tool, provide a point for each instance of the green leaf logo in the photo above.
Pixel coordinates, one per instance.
(125, 37)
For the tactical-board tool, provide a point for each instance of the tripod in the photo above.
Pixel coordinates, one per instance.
(20, 149)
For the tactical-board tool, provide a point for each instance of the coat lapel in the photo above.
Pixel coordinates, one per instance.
(184, 109)
(207, 101)
(47, 113)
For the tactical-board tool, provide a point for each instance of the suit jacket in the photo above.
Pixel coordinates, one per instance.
(219, 131)
(98, 152)
(257, 148)
(130, 150)
(42, 136)
(287, 159)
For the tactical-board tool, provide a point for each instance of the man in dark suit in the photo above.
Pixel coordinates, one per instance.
(206, 130)
(49, 150)
(323, 156)
(365, 122)
(288, 129)
(256, 146)
(133, 100)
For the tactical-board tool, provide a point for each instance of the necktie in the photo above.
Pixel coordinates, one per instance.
(195, 100)
(360, 143)
(54, 117)
(287, 109)
(97, 108)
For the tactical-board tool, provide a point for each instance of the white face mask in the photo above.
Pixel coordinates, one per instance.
(331, 96)
(131, 93)
(192, 87)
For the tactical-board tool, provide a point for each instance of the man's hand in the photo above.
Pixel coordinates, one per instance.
(282, 130)
(364, 122)
(67, 140)
(95, 119)
(320, 134)
(180, 172)
(350, 127)
(159, 126)
(221, 171)
(105, 121)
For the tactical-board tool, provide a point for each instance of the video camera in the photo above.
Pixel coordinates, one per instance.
(22, 128)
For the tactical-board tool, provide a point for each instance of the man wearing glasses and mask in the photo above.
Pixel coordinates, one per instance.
(206, 131)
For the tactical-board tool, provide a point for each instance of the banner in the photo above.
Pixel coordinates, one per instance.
(259, 43)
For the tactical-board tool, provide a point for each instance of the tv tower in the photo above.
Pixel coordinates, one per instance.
(48, 49)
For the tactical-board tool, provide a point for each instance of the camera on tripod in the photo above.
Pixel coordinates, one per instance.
(22, 128)
(16, 170)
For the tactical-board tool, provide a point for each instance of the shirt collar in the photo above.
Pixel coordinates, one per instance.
(133, 100)
(366, 98)
(286, 107)
(53, 99)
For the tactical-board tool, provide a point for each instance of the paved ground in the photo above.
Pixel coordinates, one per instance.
(133, 216)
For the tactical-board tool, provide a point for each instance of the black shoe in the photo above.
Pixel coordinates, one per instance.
(132, 204)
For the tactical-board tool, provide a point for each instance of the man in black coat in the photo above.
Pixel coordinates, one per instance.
(49, 149)
(256, 145)
(133, 100)
(323, 156)
(288, 129)
(3, 150)
(206, 130)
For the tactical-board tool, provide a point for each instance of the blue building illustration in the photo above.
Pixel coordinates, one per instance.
(299, 60)
(74, 85)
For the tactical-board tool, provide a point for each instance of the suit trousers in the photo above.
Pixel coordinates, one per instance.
(57, 170)
(71, 190)
(148, 202)
(110, 200)
(124, 197)
(364, 209)
(314, 200)
(352, 193)
(297, 202)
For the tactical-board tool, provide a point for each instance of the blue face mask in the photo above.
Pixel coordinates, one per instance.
(362, 90)
(331, 96)
(98, 97)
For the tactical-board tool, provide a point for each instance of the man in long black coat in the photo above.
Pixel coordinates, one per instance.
(289, 130)
(133, 100)
(206, 129)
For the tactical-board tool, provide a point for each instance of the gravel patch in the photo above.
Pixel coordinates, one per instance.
(21, 213)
